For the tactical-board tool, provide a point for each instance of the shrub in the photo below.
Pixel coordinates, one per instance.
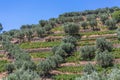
(103, 18)
(40, 31)
(55, 60)
(47, 27)
(9, 67)
(90, 17)
(104, 59)
(54, 49)
(111, 24)
(71, 29)
(113, 75)
(61, 52)
(44, 67)
(67, 47)
(52, 62)
(70, 39)
(89, 68)
(29, 65)
(23, 75)
(92, 76)
(102, 45)
(87, 52)
(93, 24)
(84, 25)
(116, 15)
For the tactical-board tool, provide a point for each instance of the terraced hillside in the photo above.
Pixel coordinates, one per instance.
(63, 48)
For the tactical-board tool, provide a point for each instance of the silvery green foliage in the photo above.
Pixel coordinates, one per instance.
(40, 31)
(84, 24)
(44, 67)
(103, 18)
(70, 39)
(104, 59)
(113, 75)
(89, 68)
(67, 47)
(9, 67)
(93, 24)
(111, 24)
(61, 52)
(71, 29)
(23, 75)
(92, 76)
(102, 45)
(87, 52)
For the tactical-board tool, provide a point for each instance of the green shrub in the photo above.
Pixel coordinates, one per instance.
(55, 60)
(104, 59)
(54, 49)
(70, 39)
(113, 75)
(67, 47)
(89, 68)
(71, 29)
(116, 15)
(92, 76)
(23, 75)
(2, 65)
(9, 67)
(29, 65)
(84, 25)
(102, 45)
(111, 24)
(44, 67)
(61, 52)
(87, 52)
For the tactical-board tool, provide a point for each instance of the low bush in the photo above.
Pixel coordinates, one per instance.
(89, 68)
(87, 52)
(104, 59)
(102, 45)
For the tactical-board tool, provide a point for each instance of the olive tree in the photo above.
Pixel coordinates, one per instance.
(103, 18)
(104, 59)
(43, 22)
(84, 25)
(67, 47)
(44, 67)
(116, 15)
(87, 52)
(70, 39)
(40, 31)
(71, 29)
(9, 67)
(111, 24)
(102, 44)
(23, 75)
(93, 24)
(89, 68)
(114, 74)
(29, 34)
